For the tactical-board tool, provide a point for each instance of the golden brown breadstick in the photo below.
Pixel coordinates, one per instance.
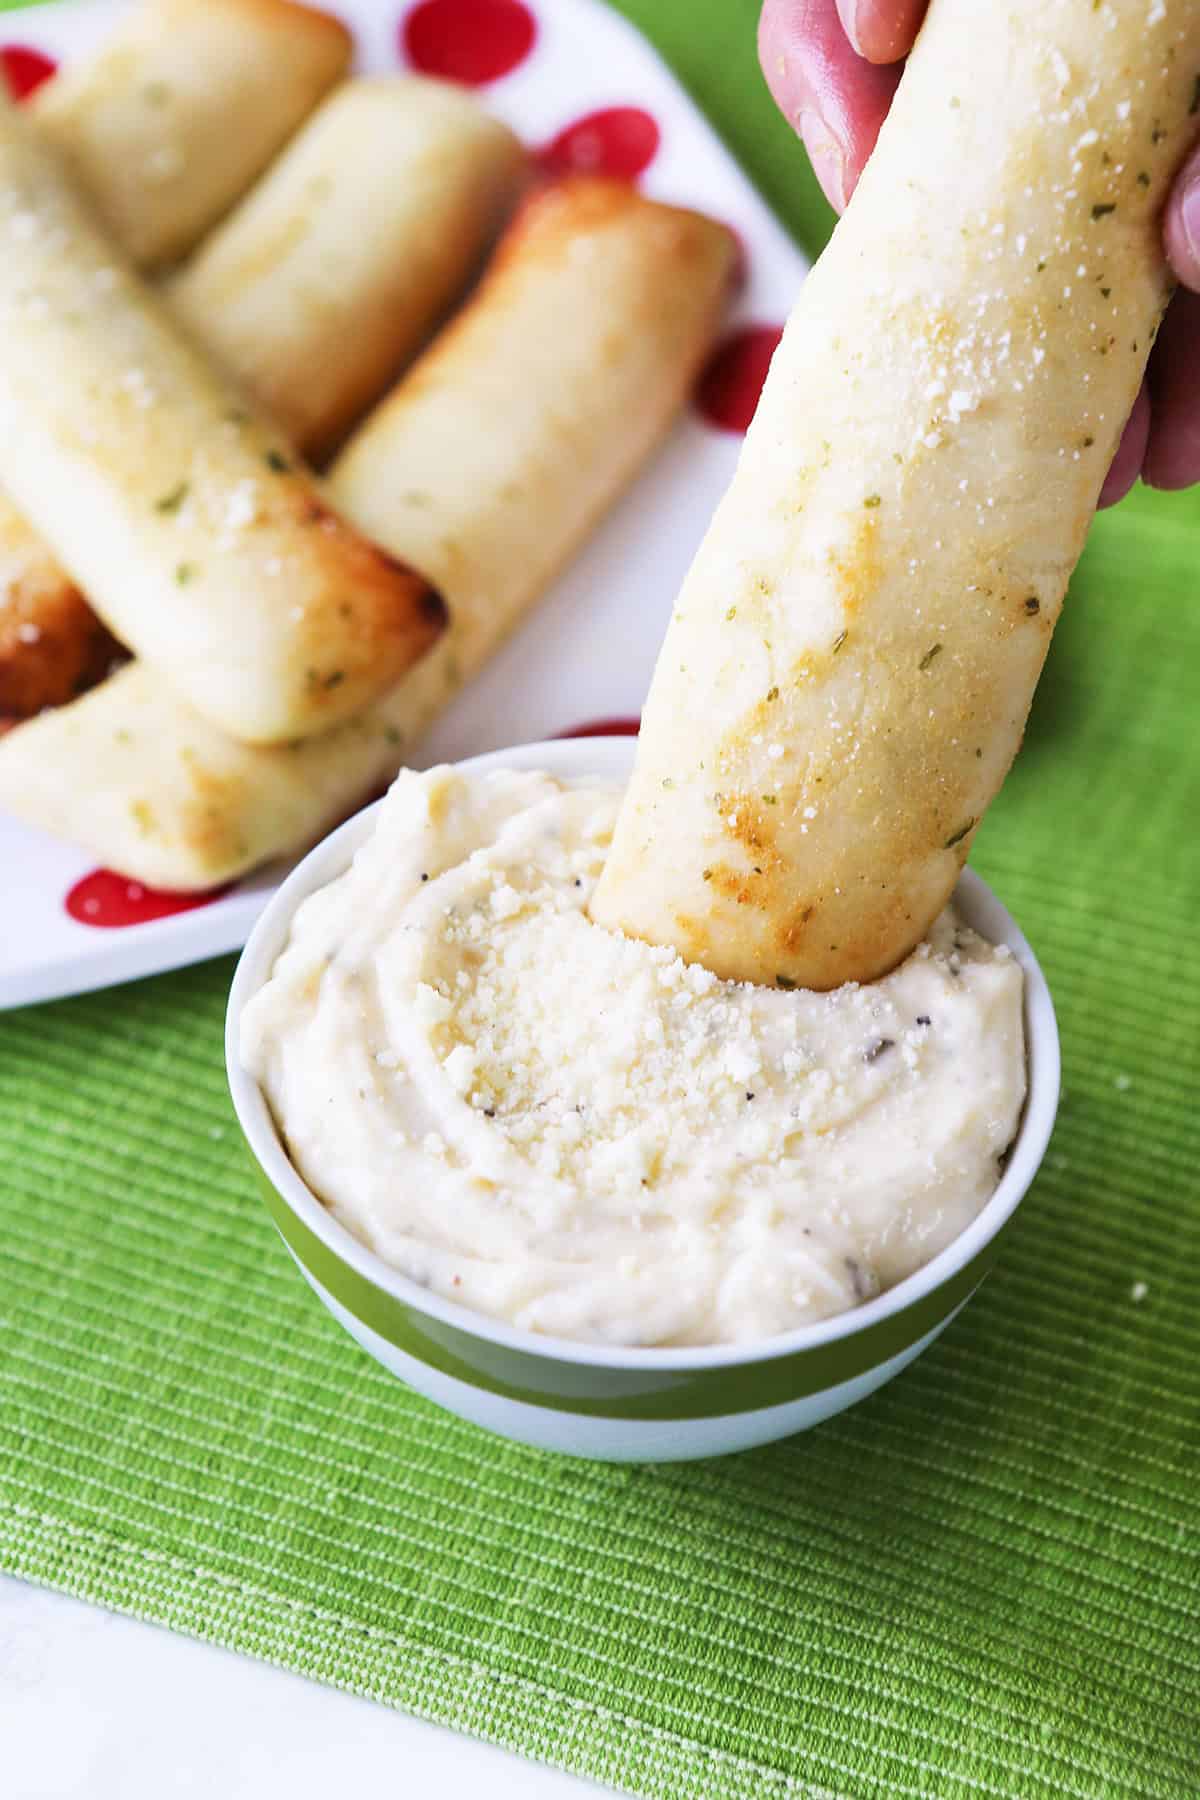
(52, 645)
(179, 511)
(490, 463)
(331, 273)
(848, 670)
(184, 108)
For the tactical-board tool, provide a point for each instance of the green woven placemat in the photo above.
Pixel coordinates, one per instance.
(983, 1581)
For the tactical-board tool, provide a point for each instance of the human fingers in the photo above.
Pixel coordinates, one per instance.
(1172, 458)
(832, 96)
(1127, 463)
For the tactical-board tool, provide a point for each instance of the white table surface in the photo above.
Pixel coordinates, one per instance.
(97, 1707)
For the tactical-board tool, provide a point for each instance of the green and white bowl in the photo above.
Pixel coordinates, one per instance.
(635, 1405)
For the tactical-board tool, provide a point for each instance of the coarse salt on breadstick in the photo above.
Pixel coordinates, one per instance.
(490, 463)
(332, 271)
(847, 673)
(179, 511)
(184, 108)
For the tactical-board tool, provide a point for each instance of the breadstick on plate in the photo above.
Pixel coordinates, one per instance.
(184, 107)
(849, 666)
(52, 645)
(177, 509)
(489, 464)
(331, 273)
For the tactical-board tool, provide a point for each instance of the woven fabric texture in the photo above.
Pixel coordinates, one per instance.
(984, 1581)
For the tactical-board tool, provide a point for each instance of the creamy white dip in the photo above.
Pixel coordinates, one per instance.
(582, 1134)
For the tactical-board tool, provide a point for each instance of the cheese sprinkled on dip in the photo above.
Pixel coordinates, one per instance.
(583, 1135)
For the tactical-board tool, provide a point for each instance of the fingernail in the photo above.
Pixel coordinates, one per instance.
(1189, 212)
(825, 154)
(848, 11)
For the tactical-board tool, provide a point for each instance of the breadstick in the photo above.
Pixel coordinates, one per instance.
(330, 274)
(52, 645)
(847, 673)
(184, 107)
(180, 512)
(490, 463)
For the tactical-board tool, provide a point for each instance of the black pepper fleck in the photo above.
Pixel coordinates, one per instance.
(879, 1048)
(1102, 208)
(924, 1019)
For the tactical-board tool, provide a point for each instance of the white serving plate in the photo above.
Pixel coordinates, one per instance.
(588, 650)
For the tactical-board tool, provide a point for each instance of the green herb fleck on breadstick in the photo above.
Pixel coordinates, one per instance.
(174, 499)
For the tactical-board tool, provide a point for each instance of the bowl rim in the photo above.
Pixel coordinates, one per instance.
(612, 757)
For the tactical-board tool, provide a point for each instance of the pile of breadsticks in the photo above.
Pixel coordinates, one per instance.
(218, 258)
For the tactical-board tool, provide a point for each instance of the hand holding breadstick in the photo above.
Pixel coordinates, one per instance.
(834, 71)
(849, 666)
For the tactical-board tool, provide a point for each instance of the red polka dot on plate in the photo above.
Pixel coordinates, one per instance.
(625, 727)
(25, 69)
(727, 392)
(619, 141)
(468, 41)
(111, 901)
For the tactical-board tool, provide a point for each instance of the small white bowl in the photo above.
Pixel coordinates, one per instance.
(629, 1405)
